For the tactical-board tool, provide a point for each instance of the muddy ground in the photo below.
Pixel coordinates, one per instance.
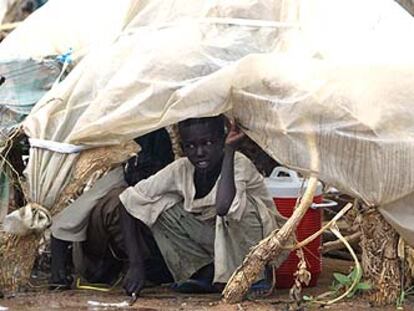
(162, 298)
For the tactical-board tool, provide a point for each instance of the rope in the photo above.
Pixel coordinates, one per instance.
(98, 286)
(55, 146)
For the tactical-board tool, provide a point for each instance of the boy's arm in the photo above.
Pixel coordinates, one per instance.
(226, 190)
(135, 246)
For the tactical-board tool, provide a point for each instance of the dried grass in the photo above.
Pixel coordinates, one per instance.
(380, 261)
(17, 254)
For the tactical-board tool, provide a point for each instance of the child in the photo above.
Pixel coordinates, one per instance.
(92, 221)
(205, 210)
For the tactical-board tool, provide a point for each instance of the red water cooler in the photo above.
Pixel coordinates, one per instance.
(284, 185)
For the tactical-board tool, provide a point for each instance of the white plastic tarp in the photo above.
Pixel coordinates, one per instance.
(350, 91)
(126, 89)
(360, 116)
(60, 25)
(122, 91)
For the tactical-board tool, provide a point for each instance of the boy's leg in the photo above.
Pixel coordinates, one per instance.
(102, 256)
(186, 243)
(99, 259)
(59, 275)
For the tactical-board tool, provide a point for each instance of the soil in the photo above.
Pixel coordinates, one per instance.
(162, 298)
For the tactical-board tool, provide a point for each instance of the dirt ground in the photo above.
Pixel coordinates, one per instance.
(162, 298)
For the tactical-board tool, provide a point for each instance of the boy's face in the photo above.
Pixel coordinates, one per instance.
(202, 146)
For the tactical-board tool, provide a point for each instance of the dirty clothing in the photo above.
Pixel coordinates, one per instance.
(187, 230)
(93, 220)
(71, 224)
(102, 256)
(99, 257)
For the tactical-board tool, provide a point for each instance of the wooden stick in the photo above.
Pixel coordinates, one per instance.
(266, 250)
(324, 228)
(338, 244)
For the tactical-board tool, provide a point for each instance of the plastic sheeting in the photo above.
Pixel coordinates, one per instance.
(126, 89)
(134, 85)
(25, 82)
(360, 115)
(347, 84)
(60, 25)
(121, 90)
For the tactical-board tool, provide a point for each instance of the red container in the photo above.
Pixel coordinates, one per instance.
(285, 191)
(310, 223)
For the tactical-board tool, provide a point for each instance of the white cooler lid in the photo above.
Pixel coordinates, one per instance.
(287, 186)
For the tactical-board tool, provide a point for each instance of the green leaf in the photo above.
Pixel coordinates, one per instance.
(336, 287)
(307, 298)
(364, 286)
(356, 274)
(341, 278)
(353, 275)
(351, 294)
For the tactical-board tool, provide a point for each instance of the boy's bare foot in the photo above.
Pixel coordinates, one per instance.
(193, 286)
(60, 280)
(199, 283)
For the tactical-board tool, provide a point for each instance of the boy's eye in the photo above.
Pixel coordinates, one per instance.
(209, 142)
(189, 146)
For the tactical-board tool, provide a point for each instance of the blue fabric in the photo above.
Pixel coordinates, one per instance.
(22, 83)
(26, 81)
(4, 194)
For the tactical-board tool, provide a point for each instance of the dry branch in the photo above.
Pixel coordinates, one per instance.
(338, 244)
(266, 250)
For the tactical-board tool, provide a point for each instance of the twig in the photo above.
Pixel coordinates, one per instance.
(335, 245)
(320, 231)
(335, 230)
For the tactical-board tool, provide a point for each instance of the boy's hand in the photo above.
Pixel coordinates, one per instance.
(134, 281)
(235, 135)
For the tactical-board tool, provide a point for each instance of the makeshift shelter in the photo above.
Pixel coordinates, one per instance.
(30, 54)
(287, 70)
